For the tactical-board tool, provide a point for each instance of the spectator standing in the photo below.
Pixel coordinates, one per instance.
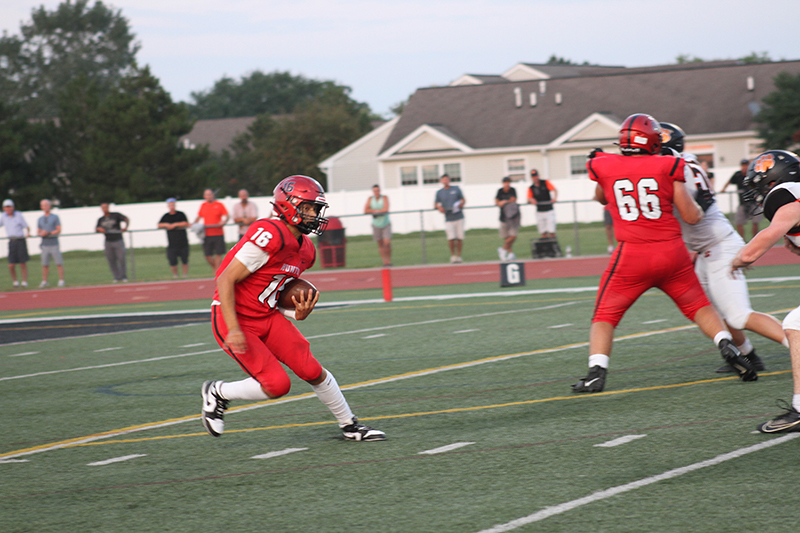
(214, 217)
(744, 212)
(245, 212)
(378, 207)
(112, 225)
(17, 230)
(175, 222)
(450, 201)
(506, 200)
(49, 226)
(543, 194)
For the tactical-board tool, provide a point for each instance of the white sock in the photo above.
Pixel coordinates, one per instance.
(246, 389)
(746, 347)
(724, 334)
(796, 402)
(598, 359)
(331, 395)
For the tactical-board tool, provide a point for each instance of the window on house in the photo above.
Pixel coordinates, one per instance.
(408, 175)
(454, 171)
(430, 174)
(577, 165)
(515, 169)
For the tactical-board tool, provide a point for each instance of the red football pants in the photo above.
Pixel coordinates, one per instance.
(271, 340)
(635, 268)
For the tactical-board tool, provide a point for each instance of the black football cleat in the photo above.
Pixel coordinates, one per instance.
(740, 364)
(754, 359)
(785, 423)
(594, 382)
(361, 433)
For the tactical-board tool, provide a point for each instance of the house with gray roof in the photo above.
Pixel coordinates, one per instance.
(483, 127)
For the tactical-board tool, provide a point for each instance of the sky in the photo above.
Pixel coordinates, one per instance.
(385, 50)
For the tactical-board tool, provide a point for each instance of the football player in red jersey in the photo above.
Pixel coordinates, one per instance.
(250, 326)
(773, 181)
(639, 187)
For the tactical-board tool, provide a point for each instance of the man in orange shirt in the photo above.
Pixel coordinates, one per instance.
(214, 217)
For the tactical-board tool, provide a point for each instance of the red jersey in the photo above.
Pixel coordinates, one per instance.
(274, 256)
(639, 190)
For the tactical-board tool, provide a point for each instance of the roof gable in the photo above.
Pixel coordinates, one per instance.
(595, 127)
(427, 138)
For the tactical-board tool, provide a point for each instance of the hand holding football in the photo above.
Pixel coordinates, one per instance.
(294, 288)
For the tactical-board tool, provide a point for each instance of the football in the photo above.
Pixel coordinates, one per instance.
(294, 288)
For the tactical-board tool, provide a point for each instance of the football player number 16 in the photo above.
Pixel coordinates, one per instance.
(642, 202)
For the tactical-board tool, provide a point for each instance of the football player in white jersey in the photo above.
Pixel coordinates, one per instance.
(716, 242)
(773, 181)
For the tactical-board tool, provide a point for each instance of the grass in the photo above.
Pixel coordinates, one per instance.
(503, 370)
(150, 264)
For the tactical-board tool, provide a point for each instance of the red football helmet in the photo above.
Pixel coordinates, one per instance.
(293, 191)
(640, 134)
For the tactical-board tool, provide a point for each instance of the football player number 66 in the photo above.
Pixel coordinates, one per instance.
(643, 201)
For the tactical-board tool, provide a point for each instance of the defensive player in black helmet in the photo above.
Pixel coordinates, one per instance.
(716, 242)
(773, 182)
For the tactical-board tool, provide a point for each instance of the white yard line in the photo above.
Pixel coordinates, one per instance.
(558, 326)
(655, 321)
(23, 353)
(117, 459)
(193, 345)
(151, 359)
(608, 493)
(622, 440)
(108, 349)
(377, 335)
(278, 454)
(448, 448)
(464, 331)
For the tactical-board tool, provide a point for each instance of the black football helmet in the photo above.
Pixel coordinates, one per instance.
(671, 137)
(293, 191)
(640, 134)
(767, 170)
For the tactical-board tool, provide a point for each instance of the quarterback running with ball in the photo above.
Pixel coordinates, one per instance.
(250, 326)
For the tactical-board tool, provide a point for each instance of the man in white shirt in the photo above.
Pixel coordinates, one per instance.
(245, 212)
(17, 231)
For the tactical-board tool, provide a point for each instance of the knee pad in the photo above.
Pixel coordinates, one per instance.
(738, 320)
(792, 320)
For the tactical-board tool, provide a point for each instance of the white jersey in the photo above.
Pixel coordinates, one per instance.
(715, 226)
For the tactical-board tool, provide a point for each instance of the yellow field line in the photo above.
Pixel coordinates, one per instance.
(172, 421)
(428, 413)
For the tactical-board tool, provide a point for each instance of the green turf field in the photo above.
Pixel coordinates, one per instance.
(486, 378)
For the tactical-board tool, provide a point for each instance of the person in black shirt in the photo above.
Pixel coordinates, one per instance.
(175, 222)
(745, 210)
(543, 195)
(111, 224)
(506, 200)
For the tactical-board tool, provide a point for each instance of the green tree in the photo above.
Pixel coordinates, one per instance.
(123, 146)
(779, 118)
(276, 93)
(74, 39)
(24, 157)
(274, 148)
(755, 57)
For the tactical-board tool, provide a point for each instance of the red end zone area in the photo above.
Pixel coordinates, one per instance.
(325, 281)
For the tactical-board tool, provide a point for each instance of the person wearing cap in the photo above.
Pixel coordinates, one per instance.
(17, 230)
(745, 210)
(506, 200)
(175, 222)
(49, 226)
(245, 212)
(111, 225)
(543, 194)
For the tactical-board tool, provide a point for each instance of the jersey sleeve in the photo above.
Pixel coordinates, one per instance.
(263, 242)
(550, 186)
(678, 169)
